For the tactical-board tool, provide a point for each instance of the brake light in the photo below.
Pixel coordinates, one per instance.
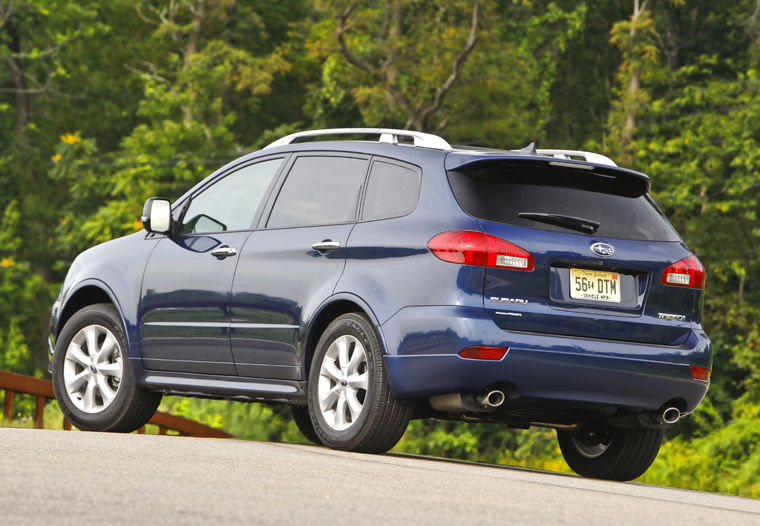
(468, 247)
(481, 352)
(688, 272)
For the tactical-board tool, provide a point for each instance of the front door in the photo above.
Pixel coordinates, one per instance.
(185, 296)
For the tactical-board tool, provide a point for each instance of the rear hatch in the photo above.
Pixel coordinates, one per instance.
(598, 245)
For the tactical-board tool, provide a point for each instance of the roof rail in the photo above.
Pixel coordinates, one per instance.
(387, 135)
(590, 157)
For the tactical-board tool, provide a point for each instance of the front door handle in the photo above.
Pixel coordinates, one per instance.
(223, 252)
(325, 245)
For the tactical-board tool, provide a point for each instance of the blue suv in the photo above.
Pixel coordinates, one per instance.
(369, 282)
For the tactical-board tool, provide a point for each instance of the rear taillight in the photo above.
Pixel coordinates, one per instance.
(688, 272)
(700, 373)
(467, 247)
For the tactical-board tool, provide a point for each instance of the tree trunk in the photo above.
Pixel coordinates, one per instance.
(635, 83)
(19, 83)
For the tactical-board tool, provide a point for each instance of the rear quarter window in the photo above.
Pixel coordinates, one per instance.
(500, 193)
(392, 191)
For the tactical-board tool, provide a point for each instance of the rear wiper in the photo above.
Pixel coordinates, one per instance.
(586, 226)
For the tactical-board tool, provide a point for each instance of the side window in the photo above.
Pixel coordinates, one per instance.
(319, 191)
(231, 202)
(392, 191)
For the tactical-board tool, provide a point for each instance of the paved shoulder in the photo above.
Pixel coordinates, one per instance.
(73, 477)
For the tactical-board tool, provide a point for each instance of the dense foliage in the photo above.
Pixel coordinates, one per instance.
(103, 104)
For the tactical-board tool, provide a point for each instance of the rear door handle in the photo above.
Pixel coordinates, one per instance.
(325, 245)
(223, 252)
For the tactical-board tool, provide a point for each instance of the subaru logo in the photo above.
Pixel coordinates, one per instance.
(602, 249)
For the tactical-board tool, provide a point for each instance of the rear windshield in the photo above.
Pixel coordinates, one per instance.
(550, 198)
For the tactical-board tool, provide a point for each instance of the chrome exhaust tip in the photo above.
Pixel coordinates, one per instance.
(492, 398)
(669, 415)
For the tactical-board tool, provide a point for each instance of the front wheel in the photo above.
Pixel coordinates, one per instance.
(350, 403)
(610, 453)
(92, 379)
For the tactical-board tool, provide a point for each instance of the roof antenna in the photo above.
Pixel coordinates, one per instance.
(530, 149)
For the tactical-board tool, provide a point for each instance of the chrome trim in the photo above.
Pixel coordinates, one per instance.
(220, 325)
(602, 249)
(591, 157)
(223, 252)
(184, 383)
(671, 317)
(326, 245)
(387, 135)
(519, 301)
(572, 165)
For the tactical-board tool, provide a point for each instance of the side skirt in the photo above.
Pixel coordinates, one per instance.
(227, 387)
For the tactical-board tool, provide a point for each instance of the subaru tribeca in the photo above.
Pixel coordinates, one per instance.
(369, 282)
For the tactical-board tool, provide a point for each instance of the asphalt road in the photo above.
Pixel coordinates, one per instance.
(57, 477)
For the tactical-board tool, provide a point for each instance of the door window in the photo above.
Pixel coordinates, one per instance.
(319, 191)
(230, 203)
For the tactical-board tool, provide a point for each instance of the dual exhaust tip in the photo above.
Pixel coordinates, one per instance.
(494, 398)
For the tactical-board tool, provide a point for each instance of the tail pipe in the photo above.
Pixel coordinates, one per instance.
(493, 398)
(668, 415)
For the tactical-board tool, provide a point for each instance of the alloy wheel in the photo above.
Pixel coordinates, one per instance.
(93, 369)
(343, 381)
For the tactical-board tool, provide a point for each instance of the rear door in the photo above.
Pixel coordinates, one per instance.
(289, 267)
(599, 247)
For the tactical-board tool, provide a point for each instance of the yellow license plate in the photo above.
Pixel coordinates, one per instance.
(594, 285)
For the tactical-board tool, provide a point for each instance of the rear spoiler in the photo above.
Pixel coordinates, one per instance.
(466, 161)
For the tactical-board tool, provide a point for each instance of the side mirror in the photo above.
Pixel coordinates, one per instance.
(157, 215)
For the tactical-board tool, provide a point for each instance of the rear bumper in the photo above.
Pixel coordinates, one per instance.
(422, 361)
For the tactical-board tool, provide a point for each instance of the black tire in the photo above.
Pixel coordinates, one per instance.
(610, 453)
(131, 407)
(303, 421)
(382, 420)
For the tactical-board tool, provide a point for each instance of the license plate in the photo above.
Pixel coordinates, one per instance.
(594, 285)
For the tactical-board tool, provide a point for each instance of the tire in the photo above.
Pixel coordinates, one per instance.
(303, 421)
(610, 453)
(350, 403)
(93, 381)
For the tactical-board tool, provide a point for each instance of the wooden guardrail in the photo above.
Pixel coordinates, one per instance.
(42, 390)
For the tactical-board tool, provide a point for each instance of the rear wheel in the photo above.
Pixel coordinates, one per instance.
(610, 453)
(350, 403)
(92, 378)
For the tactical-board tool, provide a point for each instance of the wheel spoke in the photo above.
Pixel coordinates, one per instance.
(74, 353)
(327, 401)
(106, 393)
(88, 400)
(342, 344)
(106, 350)
(357, 358)
(110, 369)
(75, 383)
(358, 381)
(91, 334)
(354, 405)
(330, 371)
(340, 413)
